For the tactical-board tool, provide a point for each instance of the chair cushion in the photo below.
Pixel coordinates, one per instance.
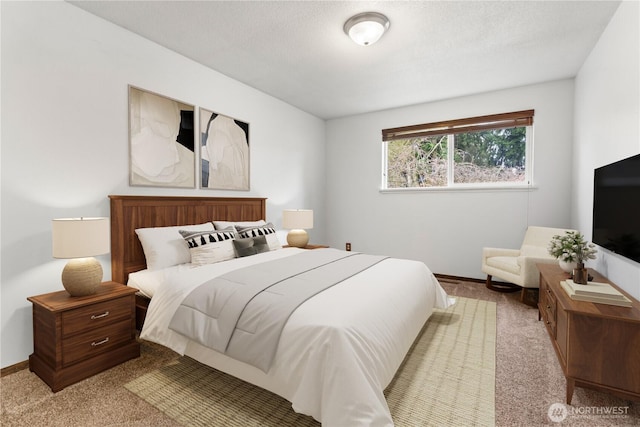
(505, 263)
(535, 251)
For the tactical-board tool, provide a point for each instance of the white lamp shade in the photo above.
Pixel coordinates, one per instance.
(80, 237)
(297, 219)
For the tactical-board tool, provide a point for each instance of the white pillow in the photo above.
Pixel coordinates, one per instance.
(221, 225)
(164, 246)
(266, 230)
(208, 247)
(282, 237)
(146, 281)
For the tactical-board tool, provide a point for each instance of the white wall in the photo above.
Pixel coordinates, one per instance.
(65, 140)
(447, 230)
(607, 126)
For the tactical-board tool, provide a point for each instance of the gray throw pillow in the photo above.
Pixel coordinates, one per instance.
(250, 246)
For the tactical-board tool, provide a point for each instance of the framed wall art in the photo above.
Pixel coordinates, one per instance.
(224, 145)
(161, 141)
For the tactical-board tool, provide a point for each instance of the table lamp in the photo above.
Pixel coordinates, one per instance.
(80, 239)
(297, 220)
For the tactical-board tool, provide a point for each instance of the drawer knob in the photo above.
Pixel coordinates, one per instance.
(104, 341)
(99, 316)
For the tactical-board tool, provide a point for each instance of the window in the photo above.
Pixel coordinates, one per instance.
(485, 151)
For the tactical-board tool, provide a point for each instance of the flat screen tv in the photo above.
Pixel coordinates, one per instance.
(616, 207)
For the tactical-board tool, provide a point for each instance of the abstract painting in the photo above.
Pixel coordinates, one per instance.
(161, 141)
(224, 152)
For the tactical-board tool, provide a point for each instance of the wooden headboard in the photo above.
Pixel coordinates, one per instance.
(131, 212)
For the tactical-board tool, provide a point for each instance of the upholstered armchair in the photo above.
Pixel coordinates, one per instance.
(518, 266)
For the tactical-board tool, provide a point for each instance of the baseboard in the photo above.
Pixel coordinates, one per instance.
(456, 279)
(14, 368)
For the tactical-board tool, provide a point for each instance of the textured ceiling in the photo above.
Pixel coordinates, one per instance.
(297, 51)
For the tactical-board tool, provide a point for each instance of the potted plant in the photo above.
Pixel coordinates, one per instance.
(573, 250)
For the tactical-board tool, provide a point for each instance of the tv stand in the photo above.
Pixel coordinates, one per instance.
(597, 345)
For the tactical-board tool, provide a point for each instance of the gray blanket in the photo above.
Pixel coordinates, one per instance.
(242, 313)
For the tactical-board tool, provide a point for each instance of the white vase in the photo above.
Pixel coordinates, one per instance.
(567, 266)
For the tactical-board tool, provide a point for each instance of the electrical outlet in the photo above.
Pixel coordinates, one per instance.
(348, 246)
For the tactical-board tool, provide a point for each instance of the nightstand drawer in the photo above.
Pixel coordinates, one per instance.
(550, 312)
(96, 315)
(96, 341)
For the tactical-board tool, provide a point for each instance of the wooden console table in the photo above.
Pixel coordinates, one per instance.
(598, 345)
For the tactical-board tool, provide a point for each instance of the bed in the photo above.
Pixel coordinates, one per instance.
(337, 351)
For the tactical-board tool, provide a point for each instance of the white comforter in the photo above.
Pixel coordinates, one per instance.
(337, 352)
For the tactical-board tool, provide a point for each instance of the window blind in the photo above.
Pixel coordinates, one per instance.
(471, 124)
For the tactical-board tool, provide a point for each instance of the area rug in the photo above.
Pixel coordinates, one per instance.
(447, 379)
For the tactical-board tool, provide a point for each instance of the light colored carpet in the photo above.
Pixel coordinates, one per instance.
(448, 379)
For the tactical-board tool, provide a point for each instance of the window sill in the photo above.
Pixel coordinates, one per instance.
(462, 188)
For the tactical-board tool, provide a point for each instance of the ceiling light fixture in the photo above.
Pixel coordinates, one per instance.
(366, 28)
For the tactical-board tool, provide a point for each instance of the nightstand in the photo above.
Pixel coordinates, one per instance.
(77, 337)
(309, 247)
